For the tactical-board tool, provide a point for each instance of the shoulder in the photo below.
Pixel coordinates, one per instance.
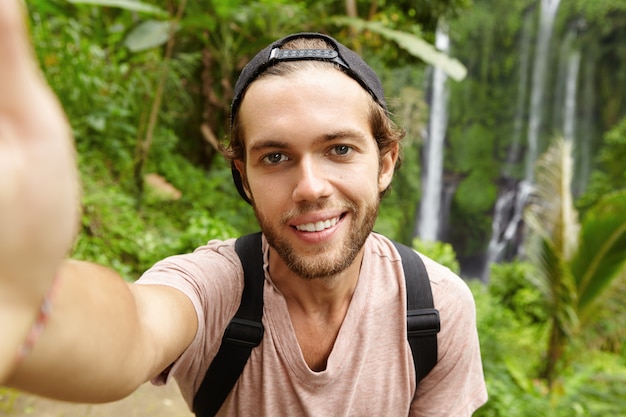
(447, 286)
(449, 290)
(216, 258)
(211, 277)
(458, 373)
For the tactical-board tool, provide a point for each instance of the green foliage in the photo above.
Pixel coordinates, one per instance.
(107, 93)
(411, 43)
(440, 252)
(511, 350)
(405, 14)
(473, 201)
(543, 303)
(510, 285)
(511, 324)
(610, 174)
(574, 266)
(118, 232)
(612, 155)
(132, 5)
(595, 12)
(600, 256)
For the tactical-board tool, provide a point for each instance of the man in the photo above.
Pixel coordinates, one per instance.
(313, 151)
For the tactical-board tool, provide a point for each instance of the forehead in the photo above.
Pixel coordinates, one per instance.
(313, 99)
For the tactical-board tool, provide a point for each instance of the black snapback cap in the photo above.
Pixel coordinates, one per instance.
(347, 60)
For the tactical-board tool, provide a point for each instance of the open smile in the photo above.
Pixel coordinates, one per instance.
(318, 226)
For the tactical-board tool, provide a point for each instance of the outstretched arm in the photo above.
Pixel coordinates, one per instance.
(104, 337)
(38, 184)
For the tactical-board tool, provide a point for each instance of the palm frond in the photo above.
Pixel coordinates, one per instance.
(552, 212)
(602, 252)
(553, 228)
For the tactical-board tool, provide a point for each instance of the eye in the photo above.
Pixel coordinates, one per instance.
(274, 158)
(341, 150)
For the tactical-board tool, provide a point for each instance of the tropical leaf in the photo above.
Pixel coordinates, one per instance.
(132, 5)
(553, 224)
(553, 227)
(552, 209)
(602, 252)
(553, 278)
(575, 265)
(148, 34)
(411, 43)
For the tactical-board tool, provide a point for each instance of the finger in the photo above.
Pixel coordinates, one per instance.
(18, 70)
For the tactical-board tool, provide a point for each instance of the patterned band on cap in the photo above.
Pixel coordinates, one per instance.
(349, 61)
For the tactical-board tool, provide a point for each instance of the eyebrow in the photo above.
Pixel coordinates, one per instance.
(269, 143)
(329, 137)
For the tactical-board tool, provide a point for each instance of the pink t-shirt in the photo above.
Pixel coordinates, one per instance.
(370, 369)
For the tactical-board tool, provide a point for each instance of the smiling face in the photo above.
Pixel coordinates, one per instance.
(312, 168)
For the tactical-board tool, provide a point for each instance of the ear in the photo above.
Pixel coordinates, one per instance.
(241, 168)
(387, 168)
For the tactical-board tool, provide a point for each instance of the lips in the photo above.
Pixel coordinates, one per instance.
(317, 226)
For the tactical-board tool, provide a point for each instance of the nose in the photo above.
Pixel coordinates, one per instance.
(311, 182)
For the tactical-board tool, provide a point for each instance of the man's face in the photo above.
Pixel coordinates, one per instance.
(312, 168)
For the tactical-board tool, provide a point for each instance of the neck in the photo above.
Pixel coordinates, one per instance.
(324, 295)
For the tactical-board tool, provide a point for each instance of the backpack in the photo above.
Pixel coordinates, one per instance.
(245, 330)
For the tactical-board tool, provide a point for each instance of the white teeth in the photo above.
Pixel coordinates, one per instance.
(318, 226)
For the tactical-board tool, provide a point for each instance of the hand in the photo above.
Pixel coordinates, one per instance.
(39, 192)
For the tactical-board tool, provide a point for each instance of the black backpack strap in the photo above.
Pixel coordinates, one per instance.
(244, 332)
(421, 316)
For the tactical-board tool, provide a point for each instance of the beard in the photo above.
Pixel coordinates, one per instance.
(321, 261)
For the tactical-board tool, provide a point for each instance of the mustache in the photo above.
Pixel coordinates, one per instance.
(310, 207)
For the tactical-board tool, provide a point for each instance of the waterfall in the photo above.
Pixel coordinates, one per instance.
(546, 22)
(508, 207)
(569, 108)
(506, 236)
(430, 204)
(564, 113)
(513, 153)
(585, 137)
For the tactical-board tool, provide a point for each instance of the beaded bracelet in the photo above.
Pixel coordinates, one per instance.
(40, 322)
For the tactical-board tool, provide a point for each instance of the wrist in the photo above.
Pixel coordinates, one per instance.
(41, 319)
(23, 326)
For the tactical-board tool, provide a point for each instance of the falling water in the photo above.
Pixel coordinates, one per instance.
(569, 108)
(524, 47)
(506, 237)
(564, 113)
(585, 129)
(546, 22)
(430, 205)
(507, 212)
(506, 223)
(569, 111)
